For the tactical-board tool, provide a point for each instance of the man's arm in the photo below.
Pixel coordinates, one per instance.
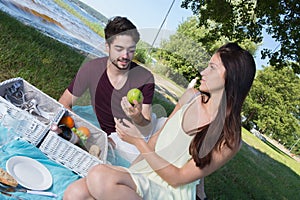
(67, 99)
(140, 114)
(144, 117)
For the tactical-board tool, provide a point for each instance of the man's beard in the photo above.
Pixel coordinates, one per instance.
(115, 63)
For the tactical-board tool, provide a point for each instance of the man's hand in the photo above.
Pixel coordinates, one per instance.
(132, 111)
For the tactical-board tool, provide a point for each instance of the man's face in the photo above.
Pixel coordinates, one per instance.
(121, 51)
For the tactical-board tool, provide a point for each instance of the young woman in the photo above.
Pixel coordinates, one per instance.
(201, 135)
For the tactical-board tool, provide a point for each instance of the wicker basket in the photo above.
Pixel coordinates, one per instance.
(72, 156)
(35, 128)
(68, 154)
(28, 125)
(98, 137)
(52, 110)
(23, 123)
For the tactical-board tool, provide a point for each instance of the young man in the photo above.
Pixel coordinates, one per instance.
(108, 80)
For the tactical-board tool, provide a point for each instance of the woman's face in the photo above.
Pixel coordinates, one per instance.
(213, 77)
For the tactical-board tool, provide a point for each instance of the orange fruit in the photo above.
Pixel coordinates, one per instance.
(84, 130)
(68, 121)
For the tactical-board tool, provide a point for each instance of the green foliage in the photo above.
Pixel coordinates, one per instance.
(196, 33)
(186, 54)
(183, 55)
(242, 19)
(273, 105)
(141, 53)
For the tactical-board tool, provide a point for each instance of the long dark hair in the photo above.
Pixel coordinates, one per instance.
(239, 76)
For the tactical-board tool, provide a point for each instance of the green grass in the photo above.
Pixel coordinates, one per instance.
(44, 62)
(258, 171)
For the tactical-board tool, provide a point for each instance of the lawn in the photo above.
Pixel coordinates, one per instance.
(259, 171)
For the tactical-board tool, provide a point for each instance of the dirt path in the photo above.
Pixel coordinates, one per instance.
(168, 88)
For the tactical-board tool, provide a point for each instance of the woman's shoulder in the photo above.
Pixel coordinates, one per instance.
(188, 95)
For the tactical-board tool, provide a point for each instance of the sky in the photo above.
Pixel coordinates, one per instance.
(143, 13)
(149, 15)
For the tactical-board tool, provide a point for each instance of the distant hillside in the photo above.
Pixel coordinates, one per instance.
(91, 11)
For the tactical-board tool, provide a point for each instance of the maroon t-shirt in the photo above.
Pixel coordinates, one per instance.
(105, 99)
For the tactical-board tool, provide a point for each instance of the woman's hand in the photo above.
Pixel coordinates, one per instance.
(127, 131)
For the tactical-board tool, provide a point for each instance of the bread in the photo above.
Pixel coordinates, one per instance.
(7, 179)
(95, 151)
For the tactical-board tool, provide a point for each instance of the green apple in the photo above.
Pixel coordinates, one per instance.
(135, 94)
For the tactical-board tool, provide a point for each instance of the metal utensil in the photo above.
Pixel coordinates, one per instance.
(11, 195)
(13, 189)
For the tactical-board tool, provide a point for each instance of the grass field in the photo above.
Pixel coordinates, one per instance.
(259, 171)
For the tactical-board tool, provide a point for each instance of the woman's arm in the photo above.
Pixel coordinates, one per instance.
(187, 95)
(173, 175)
(189, 172)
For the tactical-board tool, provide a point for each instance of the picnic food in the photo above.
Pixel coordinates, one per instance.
(135, 94)
(72, 135)
(68, 121)
(95, 150)
(7, 179)
(82, 132)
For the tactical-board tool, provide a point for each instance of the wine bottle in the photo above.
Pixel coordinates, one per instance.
(66, 133)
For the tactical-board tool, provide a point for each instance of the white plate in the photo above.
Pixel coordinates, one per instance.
(29, 173)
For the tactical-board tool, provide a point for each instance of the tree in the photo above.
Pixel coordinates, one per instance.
(245, 19)
(272, 105)
(141, 53)
(184, 52)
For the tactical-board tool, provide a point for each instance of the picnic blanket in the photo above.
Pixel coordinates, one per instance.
(61, 176)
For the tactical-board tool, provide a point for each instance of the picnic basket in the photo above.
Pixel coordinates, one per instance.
(19, 99)
(30, 112)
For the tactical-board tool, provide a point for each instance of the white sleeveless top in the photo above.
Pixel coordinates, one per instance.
(173, 146)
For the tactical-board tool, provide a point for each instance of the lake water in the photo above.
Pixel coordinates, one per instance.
(55, 22)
